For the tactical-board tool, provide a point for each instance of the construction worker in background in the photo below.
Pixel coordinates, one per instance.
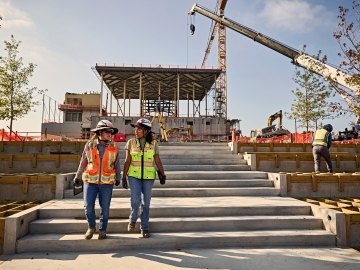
(321, 143)
(99, 169)
(142, 154)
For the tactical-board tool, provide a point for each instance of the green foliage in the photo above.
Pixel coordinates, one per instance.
(311, 101)
(17, 99)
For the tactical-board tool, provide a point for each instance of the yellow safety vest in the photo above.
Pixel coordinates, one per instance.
(142, 162)
(92, 173)
(321, 137)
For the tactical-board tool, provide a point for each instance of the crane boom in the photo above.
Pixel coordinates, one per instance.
(297, 57)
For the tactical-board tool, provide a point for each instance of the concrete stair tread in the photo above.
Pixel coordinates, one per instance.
(207, 239)
(229, 201)
(176, 219)
(184, 224)
(196, 234)
(213, 188)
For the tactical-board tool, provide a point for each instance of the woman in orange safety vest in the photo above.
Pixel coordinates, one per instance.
(99, 170)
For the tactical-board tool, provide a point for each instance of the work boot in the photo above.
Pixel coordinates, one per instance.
(102, 235)
(131, 226)
(145, 233)
(89, 233)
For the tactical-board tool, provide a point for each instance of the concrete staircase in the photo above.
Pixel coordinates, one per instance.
(197, 207)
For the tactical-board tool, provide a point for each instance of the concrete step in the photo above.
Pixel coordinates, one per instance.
(198, 161)
(199, 155)
(192, 144)
(202, 152)
(192, 152)
(239, 167)
(186, 207)
(215, 183)
(205, 192)
(194, 192)
(219, 239)
(214, 175)
(185, 224)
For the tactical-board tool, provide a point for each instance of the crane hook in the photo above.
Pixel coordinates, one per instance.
(192, 29)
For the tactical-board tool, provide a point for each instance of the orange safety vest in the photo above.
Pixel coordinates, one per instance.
(92, 173)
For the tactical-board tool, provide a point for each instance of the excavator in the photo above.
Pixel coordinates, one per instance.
(271, 130)
(297, 57)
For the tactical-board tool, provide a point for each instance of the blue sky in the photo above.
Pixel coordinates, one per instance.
(66, 38)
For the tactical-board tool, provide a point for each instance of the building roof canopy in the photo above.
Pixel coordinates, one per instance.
(153, 78)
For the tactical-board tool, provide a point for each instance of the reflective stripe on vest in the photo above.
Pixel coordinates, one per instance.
(321, 137)
(92, 170)
(148, 155)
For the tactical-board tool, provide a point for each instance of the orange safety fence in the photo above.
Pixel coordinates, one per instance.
(293, 137)
(6, 136)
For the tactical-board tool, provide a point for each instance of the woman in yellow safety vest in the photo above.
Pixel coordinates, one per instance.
(99, 170)
(142, 154)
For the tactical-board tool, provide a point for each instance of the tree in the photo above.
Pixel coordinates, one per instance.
(17, 99)
(311, 101)
(347, 36)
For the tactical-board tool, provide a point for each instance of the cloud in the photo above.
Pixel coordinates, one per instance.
(295, 15)
(13, 17)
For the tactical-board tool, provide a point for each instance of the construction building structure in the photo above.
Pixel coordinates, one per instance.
(161, 89)
(78, 108)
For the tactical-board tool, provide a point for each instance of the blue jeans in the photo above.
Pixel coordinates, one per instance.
(140, 195)
(90, 193)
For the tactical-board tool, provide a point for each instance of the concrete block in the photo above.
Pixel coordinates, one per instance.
(334, 222)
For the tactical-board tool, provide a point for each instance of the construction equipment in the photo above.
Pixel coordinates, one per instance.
(271, 130)
(273, 117)
(159, 115)
(348, 134)
(297, 57)
(188, 132)
(165, 134)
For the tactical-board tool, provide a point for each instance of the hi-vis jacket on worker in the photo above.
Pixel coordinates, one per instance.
(97, 171)
(322, 137)
(139, 157)
(99, 163)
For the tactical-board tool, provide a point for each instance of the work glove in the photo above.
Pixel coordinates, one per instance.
(117, 182)
(162, 178)
(77, 186)
(124, 183)
(77, 182)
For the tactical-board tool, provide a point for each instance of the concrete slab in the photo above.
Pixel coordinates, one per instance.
(232, 258)
(266, 201)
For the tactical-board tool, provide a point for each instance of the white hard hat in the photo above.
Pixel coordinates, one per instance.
(105, 124)
(142, 123)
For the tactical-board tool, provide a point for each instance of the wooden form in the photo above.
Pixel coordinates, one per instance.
(42, 146)
(29, 179)
(315, 179)
(278, 157)
(35, 158)
(289, 147)
(8, 208)
(349, 206)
